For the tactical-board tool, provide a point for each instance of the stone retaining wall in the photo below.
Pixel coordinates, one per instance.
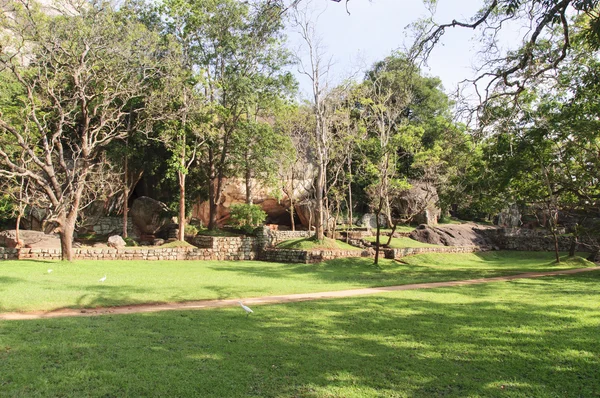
(308, 256)
(410, 251)
(184, 253)
(523, 239)
(271, 238)
(113, 225)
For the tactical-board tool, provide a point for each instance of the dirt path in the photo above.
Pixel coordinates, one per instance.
(288, 298)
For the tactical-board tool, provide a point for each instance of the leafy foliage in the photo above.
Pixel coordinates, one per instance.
(247, 216)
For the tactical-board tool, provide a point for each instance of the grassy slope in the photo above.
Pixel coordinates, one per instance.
(399, 243)
(534, 338)
(26, 285)
(311, 244)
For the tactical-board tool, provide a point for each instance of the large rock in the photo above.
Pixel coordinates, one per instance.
(275, 203)
(149, 215)
(510, 217)
(30, 239)
(369, 220)
(419, 202)
(116, 241)
(451, 235)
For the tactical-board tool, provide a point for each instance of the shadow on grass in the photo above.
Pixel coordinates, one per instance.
(361, 272)
(106, 296)
(523, 340)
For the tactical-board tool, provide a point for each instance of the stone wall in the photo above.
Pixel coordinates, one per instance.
(308, 256)
(411, 251)
(231, 248)
(271, 238)
(523, 239)
(113, 225)
(158, 253)
(213, 248)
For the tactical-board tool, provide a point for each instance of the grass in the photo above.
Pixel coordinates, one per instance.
(219, 233)
(312, 244)
(399, 243)
(400, 229)
(526, 338)
(27, 286)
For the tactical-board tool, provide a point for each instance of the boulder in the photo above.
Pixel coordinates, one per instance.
(510, 217)
(149, 215)
(275, 203)
(30, 239)
(369, 221)
(420, 201)
(116, 242)
(451, 235)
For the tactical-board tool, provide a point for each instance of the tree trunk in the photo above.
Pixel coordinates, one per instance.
(181, 232)
(125, 198)
(574, 241)
(556, 251)
(388, 211)
(392, 234)
(320, 235)
(378, 224)
(573, 247)
(66, 233)
(17, 229)
(350, 205)
(248, 178)
(212, 205)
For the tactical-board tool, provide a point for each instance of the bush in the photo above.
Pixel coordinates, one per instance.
(130, 242)
(6, 209)
(247, 217)
(191, 230)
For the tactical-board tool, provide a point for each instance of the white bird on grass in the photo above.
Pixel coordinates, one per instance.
(49, 271)
(247, 309)
(102, 279)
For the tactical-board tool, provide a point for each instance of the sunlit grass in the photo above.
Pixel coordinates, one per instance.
(312, 244)
(526, 338)
(27, 285)
(400, 243)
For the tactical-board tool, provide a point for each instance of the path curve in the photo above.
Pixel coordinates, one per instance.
(288, 298)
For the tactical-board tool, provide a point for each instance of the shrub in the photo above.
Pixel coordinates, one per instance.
(191, 230)
(247, 217)
(130, 242)
(6, 209)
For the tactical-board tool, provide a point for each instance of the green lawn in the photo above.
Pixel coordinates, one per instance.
(27, 286)
(526, 338)
(311, 244)
(400, 243)
(399, 229)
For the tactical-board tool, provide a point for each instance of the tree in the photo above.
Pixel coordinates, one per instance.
(317, 72)
(234, 45)
(296, 124)
(544, 153)
(77, 71)
(386, 99)
(544, 46)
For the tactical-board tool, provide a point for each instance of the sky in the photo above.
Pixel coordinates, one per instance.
(376, 28)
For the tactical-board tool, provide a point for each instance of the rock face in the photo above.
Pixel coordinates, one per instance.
(234, 192)
(451, 235)
(116, 242)
(149, 215)
(421, 200)
(510, 217)
(30, 239)
(370, 221)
